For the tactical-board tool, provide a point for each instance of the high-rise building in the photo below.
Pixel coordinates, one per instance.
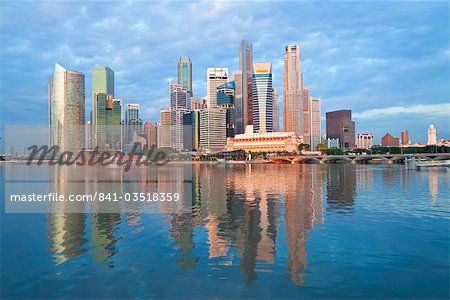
(340, 125)
(191, 131)
(246, 68)
(364, 140)
(102, 82)
(404, 134)
(238, 102)
(225, 99)
(164, 131)
(213, 128)
(316, 123)
(178, 96)
(292, 90)
(197, 103)
(67, 109)
(262, 97)
(133, 124)
(306, 115)
(389, 141)
(150, 134)
(215, 78)
(108, 120)
(185, 74)
(432, 140)
(178, 107)
(276, 111)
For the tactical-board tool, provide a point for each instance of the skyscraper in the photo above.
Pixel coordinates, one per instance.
(164, 131)
(67, 109)
(364, 140)
(404, 134)
(316, 121)
(191, 130)
(276, 111)
(185, 74)
(178, 107)
(306, 116)
(215, 78)
(292, 91)
(150, 134)
(246, 68)
(432, 140)
(262, 97)
(238, 102)
(108, 120)
(340, 126)
(133, 124)
(213, 128)
(225, 99)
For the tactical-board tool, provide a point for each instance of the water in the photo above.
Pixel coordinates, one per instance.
(263, 231)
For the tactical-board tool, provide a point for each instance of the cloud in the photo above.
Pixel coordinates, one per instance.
(440, 110)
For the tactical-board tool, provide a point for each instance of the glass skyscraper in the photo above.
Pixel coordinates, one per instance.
(67, 109)
(262, 95)
(185, 74)
(225, 99)
(109, 121)
(102, 83)
(133, 124)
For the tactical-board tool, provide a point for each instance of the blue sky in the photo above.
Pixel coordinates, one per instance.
(387, 61)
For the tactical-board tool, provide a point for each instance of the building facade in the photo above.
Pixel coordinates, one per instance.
(246, 68)
(292, 91)
(340, 125)
(164, 128)
(316, 123)
(178, 107)
(197, 103)
(185, 74)
(225, 99)
(132, 122)
(262, 97)
(213, 129)
(102, 82)
(238, 101)
(364, 140)
(276, 111)
(432, 139)
(67, 109)
(215, 77)
(404, 134)
(306, 116)
(108, 120)
(191, 131)
(389, 141)
(150, 134)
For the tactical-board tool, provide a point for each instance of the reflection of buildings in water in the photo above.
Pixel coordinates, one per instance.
(341, 187)
(182, 232)
(433, 184)
(364, 176)
(304, 206)
(66, 230)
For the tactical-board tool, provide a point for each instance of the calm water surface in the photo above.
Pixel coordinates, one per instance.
(264, 231)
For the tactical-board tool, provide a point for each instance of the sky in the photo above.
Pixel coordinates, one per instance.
(389, 62)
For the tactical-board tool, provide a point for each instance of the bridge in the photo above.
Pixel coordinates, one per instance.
(362, 159)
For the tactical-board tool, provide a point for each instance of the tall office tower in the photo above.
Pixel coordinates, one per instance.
(191, 130)
(197, 103)
(316, 121)
(238, 102)
(246, 67)
(88, 134)
(432, 140)
(225, 99)
(102, 82)
(158, 134)
(178, 107)
(215, 78)
(213, 128)
(164, 132)
(405, 137)
(292, 91)
(306, 116)
(108, 120)
(185, 74)
(133, 124)
(262, 97)
(340, 126)
(67, 109)
(150, 134)
(276, 111)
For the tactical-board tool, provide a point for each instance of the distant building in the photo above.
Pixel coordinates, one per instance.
(364, 140)
(225, 99)
(178, 107)
(245, 87)
(197, 103)
(150, 134)
(316, 123)
(133, 124)
(333, 143)
(164, 130)
(432, 140)
(185, 74)
(306, 115)
(276, 111)
(67, 109)
(389, 141)
(213, 128)
(292, 90)
(262, 97)
(405, 137)
(191, 130)
(268, 141)
(238, 101)
(340, 125)
(215, 78)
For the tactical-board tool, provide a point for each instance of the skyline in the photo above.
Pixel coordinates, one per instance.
(390, 88)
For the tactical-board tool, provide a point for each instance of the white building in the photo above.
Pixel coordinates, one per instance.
(262, 97)
(292, 91)
(213, 129)
(316, 123)
(333, 143)
(432, 140)
(215, 78)
(364, 140)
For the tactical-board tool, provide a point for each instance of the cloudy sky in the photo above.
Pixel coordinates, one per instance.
(388, 62)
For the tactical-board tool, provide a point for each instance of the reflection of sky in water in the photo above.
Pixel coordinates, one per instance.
(262, 231)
